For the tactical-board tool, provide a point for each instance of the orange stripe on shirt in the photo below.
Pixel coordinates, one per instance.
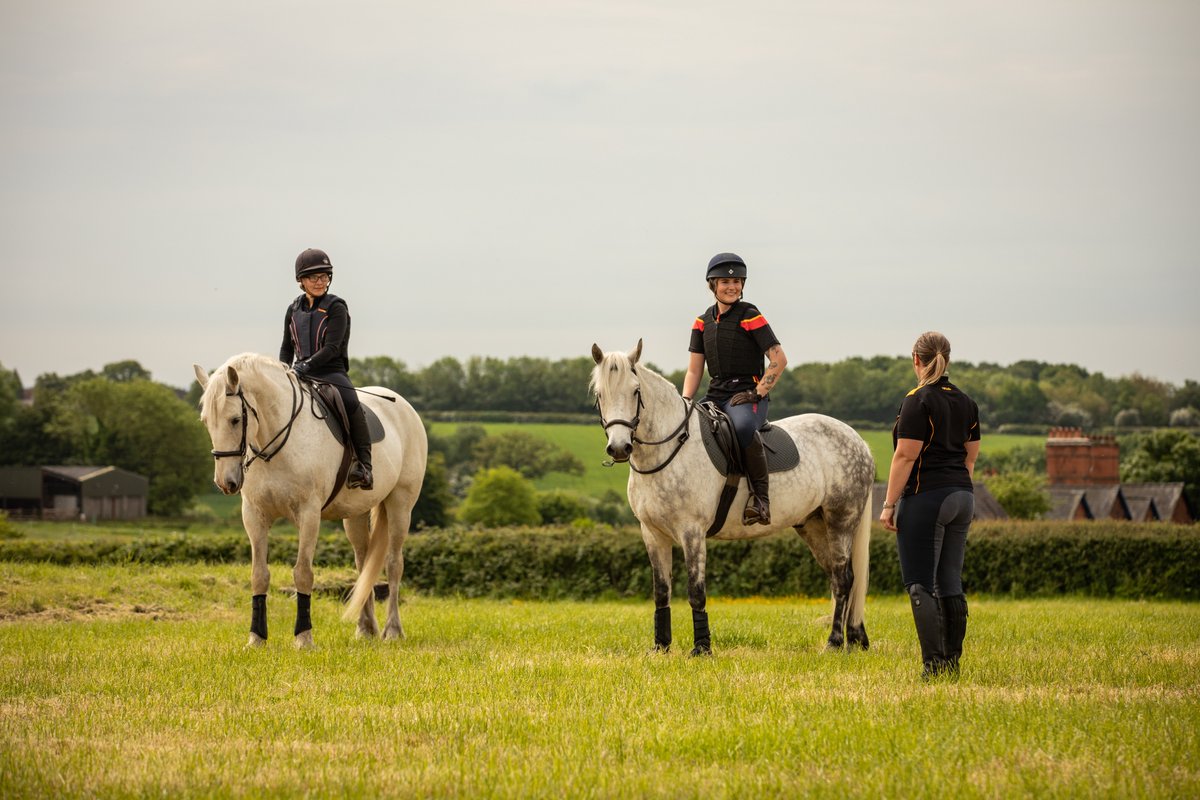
(754, 323)
(698, 325)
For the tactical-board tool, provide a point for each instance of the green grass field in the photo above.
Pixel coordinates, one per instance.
(131, 681)
(588, 441)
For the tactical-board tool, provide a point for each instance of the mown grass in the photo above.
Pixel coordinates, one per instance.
(587, 443)
(132, 681)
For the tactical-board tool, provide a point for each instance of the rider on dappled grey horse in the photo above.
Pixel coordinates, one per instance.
(731, 338)
(316, 336)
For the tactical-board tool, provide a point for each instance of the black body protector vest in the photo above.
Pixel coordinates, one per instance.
(309, 327)
(729, 350)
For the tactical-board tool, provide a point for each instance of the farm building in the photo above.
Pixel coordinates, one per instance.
(1084, 477)
(74, 491)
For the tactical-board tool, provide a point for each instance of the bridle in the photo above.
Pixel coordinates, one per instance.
(265, 453)
(680, 434)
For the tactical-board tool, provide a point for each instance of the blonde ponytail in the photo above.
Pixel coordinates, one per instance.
(933, 350)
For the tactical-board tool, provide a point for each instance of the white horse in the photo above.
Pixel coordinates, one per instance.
(255, 403)
(674, 490)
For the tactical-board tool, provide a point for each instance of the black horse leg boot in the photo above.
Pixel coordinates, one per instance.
(360, 471)
(758, 507)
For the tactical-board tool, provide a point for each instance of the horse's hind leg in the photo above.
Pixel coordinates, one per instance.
(358, 531)
(396, 512)
(834, 557)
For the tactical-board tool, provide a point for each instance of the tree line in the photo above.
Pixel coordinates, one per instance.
(858, 390)
(120, 416)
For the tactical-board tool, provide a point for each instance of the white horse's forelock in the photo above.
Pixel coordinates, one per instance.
(245, 364)
(614, 371)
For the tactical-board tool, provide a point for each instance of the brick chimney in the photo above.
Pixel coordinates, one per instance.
(1106, 460)
(1073, 459)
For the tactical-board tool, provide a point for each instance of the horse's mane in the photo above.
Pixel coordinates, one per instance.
(615, 370)
(245, 364)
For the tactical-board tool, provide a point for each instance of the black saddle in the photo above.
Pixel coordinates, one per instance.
(720, 442)
(327, 405)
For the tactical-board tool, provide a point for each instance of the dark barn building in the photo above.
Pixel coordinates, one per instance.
(73, 492)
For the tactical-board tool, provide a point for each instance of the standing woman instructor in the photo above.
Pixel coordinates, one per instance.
(930, 501)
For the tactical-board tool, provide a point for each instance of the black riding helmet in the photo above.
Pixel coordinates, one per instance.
(312, 260)
(726, 265)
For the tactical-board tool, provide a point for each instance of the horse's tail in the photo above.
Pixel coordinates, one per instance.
(364, 587)
(860, 560)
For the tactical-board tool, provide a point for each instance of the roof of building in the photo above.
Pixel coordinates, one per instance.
(1107, 502)
(1142, 509)
(1065, 502)
(1165, 495)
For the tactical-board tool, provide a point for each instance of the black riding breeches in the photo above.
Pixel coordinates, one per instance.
(345, 389)
(932, 538)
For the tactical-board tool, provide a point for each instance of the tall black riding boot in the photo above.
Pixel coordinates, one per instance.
(954, 629)
(929, 629)
(758, 507)
(360, 471)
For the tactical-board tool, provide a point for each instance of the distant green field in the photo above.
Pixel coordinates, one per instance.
(587, 442)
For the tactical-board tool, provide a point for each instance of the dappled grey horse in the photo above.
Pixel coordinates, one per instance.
(674, 490)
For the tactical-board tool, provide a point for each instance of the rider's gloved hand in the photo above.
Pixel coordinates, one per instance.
(745, 396)
(301, 367)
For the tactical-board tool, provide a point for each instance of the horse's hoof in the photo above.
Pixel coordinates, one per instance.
(366, 632)
(393, 634)
(256, 641)
(304, 641)
(701, 651)
(857, 637)
(661, 648)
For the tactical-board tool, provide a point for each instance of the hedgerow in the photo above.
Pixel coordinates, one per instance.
(1024, 559)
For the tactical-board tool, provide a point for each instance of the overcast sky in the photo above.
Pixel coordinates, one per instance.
(525, 178)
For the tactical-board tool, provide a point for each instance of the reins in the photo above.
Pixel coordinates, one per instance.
(680, 434)
(265, 453)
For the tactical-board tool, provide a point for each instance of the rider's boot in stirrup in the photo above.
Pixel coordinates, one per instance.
(758, 507)
(360, 471)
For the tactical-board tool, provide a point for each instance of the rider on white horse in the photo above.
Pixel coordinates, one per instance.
(731, 338)
(316, 336)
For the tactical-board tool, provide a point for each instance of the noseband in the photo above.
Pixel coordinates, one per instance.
(265, 453)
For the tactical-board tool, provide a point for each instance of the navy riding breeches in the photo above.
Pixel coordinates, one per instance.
(932, 538)
(747, 418)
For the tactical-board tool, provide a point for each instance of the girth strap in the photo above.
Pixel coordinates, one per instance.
(728, 491)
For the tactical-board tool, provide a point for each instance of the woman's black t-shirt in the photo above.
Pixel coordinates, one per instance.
(944, 418)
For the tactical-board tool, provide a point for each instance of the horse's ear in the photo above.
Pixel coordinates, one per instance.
(597, 353)
(636, 353)
(231, 380)
(201, 376)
